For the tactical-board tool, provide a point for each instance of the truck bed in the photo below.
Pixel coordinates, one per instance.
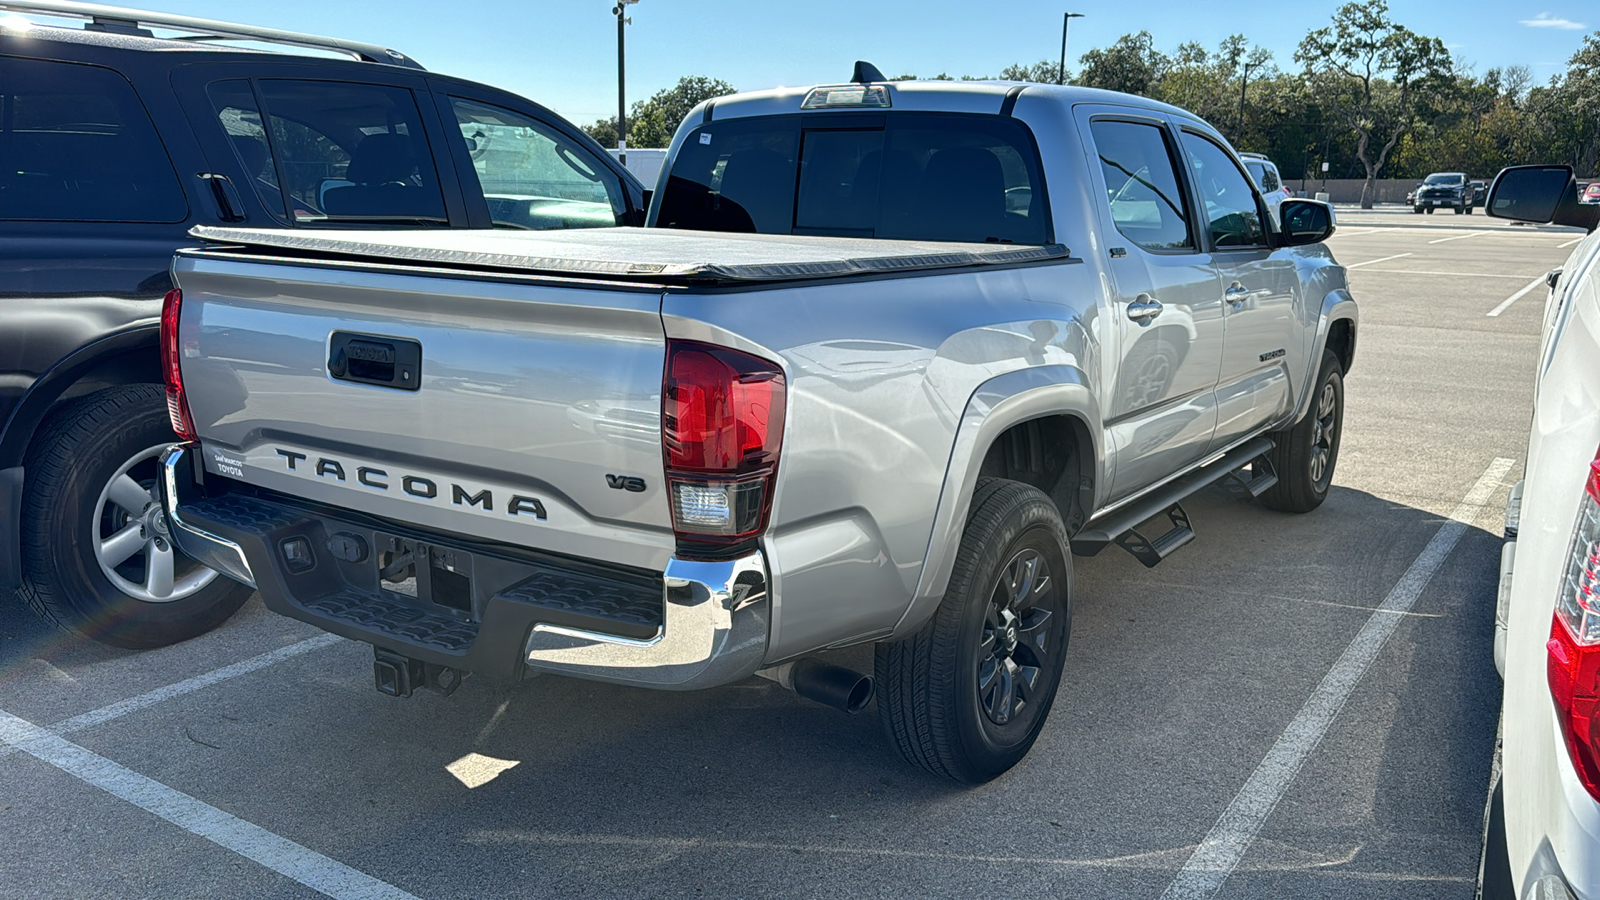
(653, 255)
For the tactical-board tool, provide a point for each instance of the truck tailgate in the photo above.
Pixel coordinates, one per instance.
(531, 415)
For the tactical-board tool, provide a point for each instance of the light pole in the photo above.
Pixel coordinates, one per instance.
(1242, 82)
(1066, 19)
(622, 109)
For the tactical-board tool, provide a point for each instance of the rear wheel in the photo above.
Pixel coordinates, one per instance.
(1305, 454)
(97, 554)
(967, 696)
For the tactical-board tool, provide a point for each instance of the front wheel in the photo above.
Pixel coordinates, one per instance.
(1304, 454)
(97, 552)
(967, 696)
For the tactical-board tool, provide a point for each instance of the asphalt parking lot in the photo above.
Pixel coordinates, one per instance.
(1289, 707)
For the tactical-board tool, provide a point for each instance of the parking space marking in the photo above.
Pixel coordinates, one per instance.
(281, 855)
(1361, 231)
(1569, 243)
(1382, 259)
(1459, 237)
(1506, 303)
(187, 686)
(1226, 843)
(1450, 274)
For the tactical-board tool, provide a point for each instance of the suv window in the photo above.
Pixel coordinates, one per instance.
(532, 176)
(241, 120)
(76, 145)
(1232, 214)
(1265, 175)
(915, 176)
(1147, 205)
(350, 152)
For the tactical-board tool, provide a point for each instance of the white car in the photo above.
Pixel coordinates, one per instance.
(1270, 183)
(1542, 834)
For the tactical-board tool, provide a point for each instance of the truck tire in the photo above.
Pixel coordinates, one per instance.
(95, 555)
(967, 695)
(1305, 454)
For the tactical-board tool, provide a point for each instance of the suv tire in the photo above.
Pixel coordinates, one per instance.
(93, 462)
(1305, 453)
(967, 695)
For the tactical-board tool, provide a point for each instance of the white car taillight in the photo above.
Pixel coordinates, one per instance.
(722, 428)
(1574, 646)
(177, 401)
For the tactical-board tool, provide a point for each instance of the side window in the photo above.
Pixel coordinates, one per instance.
(76, 145)
(351, 153)
(1147, 205)
(532, 176)
(1232, 214)
(1271, 181)
(241, 120)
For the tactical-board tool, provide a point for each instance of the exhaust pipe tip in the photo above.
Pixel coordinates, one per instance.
(834, 686)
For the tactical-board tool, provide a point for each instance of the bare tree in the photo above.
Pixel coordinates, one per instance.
(1378, 75)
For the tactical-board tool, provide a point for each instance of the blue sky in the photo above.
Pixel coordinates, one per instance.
(563, 52)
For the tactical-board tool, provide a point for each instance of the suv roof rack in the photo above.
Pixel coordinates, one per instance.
(1243, 155)
(121, 20)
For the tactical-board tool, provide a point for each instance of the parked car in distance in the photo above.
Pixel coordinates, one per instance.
(819, 404)
(113, 144)
(1443, 189)
(1591, 193)
(1542, 823)
(1264, 172)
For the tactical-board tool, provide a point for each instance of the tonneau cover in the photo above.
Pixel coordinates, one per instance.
(649, 254)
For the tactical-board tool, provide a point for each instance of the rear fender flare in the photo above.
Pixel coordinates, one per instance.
(997, 405)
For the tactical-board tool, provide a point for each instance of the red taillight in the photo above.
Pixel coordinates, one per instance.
(722, 427)
(1573, 665)
(177, 402)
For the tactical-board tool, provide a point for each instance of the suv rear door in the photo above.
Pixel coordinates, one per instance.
(313, 146)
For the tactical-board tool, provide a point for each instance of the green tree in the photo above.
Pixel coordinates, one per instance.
(1131, 65)
(1381, 77)
(652, 122)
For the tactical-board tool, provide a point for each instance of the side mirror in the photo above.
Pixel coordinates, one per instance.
(1542, 194)
(1304, 222)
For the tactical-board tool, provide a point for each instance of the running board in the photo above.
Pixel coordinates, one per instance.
(1111, 527)
(1261, 477)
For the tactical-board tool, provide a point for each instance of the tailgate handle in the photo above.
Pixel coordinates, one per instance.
(369, 359)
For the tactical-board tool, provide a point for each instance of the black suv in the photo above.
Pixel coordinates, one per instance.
(1444, 189)
(113, 143)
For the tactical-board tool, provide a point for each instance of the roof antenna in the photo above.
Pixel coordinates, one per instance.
(866, 73)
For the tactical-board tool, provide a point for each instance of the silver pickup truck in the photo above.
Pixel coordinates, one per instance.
(887, 357)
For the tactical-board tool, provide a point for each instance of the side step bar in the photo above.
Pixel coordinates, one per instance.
(1119, 525)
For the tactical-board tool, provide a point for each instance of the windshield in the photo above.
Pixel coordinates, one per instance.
(1437, 178)
(911, 176)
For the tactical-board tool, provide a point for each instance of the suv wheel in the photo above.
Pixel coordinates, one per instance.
(967, 695)
(1305, 454)
(96, 553)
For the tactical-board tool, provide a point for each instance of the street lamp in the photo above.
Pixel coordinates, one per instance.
(1061, 73)
(622, 111)
(1242, 82)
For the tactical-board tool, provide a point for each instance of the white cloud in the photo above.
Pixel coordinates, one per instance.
(1545, 20)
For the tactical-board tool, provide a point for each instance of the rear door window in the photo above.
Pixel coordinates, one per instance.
(913, 176)
(349, 153)
(241, 120)
(76, 145)
(531, 175)
(1147, 205)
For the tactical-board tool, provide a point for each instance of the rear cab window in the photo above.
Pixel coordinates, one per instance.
(76, 145)
(911, 176)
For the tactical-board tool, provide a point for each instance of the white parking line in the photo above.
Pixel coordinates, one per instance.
(187, 686)
(1569, 243)
(1450, 274)
(1382, 259)
(1506, 303)
(281, 855)
(1361, 231)
(1228, 840)
(1459, 237)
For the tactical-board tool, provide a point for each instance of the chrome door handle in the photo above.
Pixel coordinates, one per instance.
(1144, 308)
(1237, 293)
